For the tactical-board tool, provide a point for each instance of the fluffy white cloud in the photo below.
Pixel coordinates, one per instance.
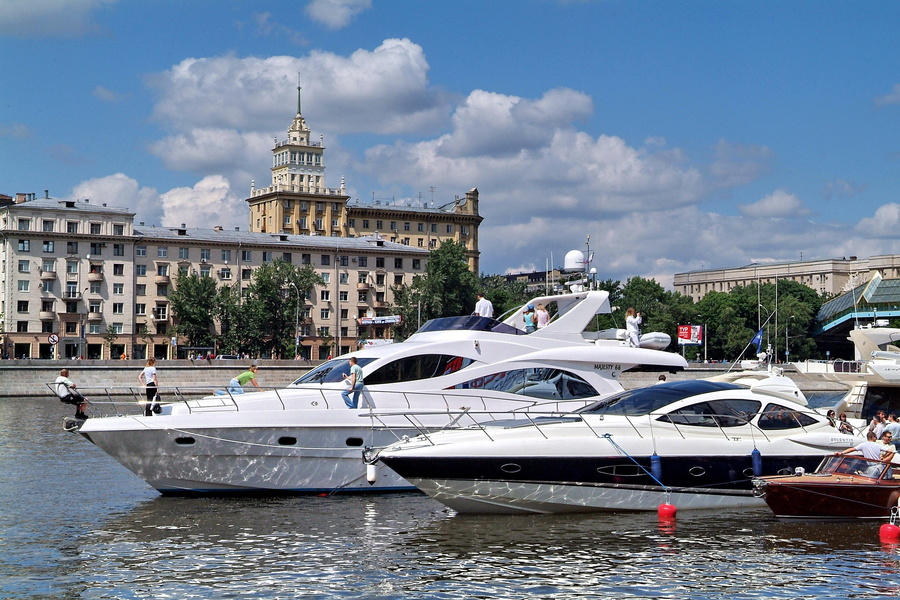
(45, 18)
(778, 204)
(208, 204)
(884, 224)
(384, 91)
(121, 191)
(335, 14)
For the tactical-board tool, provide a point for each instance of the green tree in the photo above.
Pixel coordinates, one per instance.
(505, 295)
(446, 289)
(269, 309)
(110, 335)
(193, 305)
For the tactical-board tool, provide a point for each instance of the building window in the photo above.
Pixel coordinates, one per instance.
(49, 265)
(434, 228)
(162, 252)
(205, 254)
(22, 326)
(326, 277)
(183, 253)
(362, 297)
(449, 228)
(343, 296)
(47, 246)
(48, 287)
(325, 314)
(118, 289)
(325, 295)
(24, 245)
(163, 290)
(406, 226)
(140, 250)
(420, 226)
(246, 255)
(379, 262)
(140, 309)
(47, 226)
(226, 255)
(117, 327)
(351, 223)
(96, 248)
(266, 257)
(118, 308)
(363, 261)
(140, 289)
(417, 264)
(95, 228)
(225, 273)
(71, 267)
(205, 271)
(94, 287)
(365, 223)
(287, 257)
(246, 274)
(140, 270)
(398, 279)
(94, 328)
(71, 226)
(118, 249)
(344, 278)
(325, 260)
(162, 270)
(421, 242)
(398, 263)
(24, 224)
(22, 306)
(118, 229)
(24, 266)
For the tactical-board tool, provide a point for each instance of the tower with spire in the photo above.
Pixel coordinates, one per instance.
(297, 201)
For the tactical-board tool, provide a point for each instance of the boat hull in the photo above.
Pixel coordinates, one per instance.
(827, 496)
(280, 459)
(589, 484)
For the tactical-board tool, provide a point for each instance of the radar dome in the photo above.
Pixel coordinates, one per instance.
(574, 261)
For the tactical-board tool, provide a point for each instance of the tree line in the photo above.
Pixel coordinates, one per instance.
(262, 321)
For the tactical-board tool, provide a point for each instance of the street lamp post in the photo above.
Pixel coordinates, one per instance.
(296, 321)
(787, 350)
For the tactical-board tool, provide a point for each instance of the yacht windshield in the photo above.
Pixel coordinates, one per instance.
(643, 401)
(331, 371)
(468, 323)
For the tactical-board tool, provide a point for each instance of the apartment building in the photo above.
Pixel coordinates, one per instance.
(81, 280)
(298, 202)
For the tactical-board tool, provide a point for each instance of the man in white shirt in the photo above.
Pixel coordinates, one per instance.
(484, 307)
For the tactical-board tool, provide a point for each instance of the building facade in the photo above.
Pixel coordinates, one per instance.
(828, 276)
(297, 202)
(81, 280)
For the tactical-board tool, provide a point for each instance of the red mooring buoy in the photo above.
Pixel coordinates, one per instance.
(666, 511)
(889, 533)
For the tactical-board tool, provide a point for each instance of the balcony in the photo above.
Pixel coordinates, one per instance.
(47, 315)
(160, 317)
(94, 317)
(379, 304)
(95, 276)
(48, 275)
(363, 286)
(163, 280)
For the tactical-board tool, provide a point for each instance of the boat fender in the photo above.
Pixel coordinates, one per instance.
(889, 533)
(656, 467)
(666, 511)
(756, 459)
(371, 473)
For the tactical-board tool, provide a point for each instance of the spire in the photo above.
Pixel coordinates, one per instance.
(298, 94)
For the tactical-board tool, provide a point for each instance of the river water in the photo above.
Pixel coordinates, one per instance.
(75, 524)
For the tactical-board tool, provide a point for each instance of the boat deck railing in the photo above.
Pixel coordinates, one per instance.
(538, 420)
(413, 405)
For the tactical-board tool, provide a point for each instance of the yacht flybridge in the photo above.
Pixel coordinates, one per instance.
(304, 439)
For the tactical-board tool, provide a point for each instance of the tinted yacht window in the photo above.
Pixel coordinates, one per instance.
(776, 416)
(332, 371)
(715, 413)
(552, 384)
(413, 368)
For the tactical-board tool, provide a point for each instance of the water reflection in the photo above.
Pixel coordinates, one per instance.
(75, 524)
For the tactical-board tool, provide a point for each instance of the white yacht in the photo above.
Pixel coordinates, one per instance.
(304, 439)
(873, 377)
(696, 444)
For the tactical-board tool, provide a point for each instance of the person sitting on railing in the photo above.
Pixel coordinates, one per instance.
(65, 389)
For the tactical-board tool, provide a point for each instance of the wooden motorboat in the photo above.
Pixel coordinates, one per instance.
(842, 487)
